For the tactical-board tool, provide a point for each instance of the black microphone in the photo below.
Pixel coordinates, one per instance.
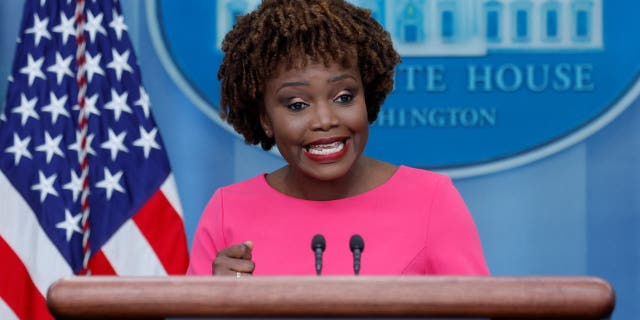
(356, 244)
(318, 245)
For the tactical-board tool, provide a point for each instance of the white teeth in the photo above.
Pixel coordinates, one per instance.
(324, 149)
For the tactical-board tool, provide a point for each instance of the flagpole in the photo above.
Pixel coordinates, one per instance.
(83, 120)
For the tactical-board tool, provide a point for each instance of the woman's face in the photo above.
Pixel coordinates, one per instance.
(318, 118)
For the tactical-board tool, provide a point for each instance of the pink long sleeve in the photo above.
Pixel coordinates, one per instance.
(415, 223)
(204, 246)
(452, 239)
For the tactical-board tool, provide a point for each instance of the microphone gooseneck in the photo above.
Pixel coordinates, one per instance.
(318, 245)
(356, 244)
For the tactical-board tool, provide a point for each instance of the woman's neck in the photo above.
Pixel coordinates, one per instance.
(366, 175)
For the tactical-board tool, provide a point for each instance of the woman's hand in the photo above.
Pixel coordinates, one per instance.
(234, 260)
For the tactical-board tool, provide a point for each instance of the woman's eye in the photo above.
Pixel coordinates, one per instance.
(344, 98)
(297, 106)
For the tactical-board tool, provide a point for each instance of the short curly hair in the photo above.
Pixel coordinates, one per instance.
(294, 32)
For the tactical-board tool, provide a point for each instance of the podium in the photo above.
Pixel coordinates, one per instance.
(331, 296)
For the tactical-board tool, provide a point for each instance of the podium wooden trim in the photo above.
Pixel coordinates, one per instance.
(331, 296)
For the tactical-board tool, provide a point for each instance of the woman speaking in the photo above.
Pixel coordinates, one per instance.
(310, 77)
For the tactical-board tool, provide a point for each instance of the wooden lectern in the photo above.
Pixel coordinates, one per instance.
(330, 296)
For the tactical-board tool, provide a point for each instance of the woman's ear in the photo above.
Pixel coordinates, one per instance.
(265, 122)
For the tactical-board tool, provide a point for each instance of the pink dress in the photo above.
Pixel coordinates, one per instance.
(415, 223)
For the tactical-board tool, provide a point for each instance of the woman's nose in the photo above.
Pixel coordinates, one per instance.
(325, 117)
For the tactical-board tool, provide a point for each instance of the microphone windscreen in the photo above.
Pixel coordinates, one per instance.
(356, 242)
(318, 242)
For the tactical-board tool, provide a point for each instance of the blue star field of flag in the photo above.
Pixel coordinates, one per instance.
(39, 140)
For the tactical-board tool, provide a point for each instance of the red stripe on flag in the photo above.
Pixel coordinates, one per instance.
(163, 228)
(17, 289)
(100, 265)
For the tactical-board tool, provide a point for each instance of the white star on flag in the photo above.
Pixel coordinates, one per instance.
(115, 143)
(76, 145)
(51, 146)
(147, 141)
(26, 109)
(118, 104)
(20, 148)
(90, 105)
(111, 183)
(39, 29)
(144, 102)
(119, 63)
(56, 107)
(33, 69)
(117, 24)
(61, 67)
(70, 224)
(92, 65)
(94, 25)
(66, 27)
(75, 185)
(45, 186)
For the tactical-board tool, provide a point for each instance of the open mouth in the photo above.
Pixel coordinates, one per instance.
(325, 148)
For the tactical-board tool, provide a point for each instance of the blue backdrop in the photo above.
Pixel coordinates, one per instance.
(576, 212)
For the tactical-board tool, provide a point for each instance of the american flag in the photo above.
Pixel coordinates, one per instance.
(85, 183)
